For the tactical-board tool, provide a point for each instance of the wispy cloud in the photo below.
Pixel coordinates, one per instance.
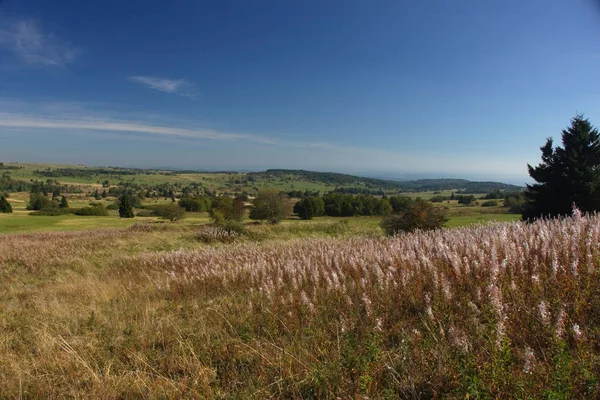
(180, 87)
(26, 40)
(269, 151)
(10, 120)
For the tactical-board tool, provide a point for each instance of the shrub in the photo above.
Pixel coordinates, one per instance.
(5, 206)
(172, 212)
(96, 210)
(228, 232)
(489, 203)
(420, 214)
(37, 201)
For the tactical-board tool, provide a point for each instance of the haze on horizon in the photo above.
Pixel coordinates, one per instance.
(384, 88)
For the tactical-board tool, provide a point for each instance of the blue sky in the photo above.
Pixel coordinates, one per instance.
(464, 88)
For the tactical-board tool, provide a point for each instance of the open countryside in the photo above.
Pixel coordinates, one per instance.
(299, 200)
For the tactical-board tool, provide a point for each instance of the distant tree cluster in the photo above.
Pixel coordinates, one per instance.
(310, 207)
(359, 190)
(347, 205)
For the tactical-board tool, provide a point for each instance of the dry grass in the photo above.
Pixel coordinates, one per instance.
(499, 311)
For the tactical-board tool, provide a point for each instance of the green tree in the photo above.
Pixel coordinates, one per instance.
(310, 207)
(172, 212)
(126, 205)
(63, 203)
(37, 201)
(418, 214)
(567, 175)
(268, 206)
(5, 206)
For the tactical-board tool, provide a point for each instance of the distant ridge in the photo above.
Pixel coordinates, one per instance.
(419, 185)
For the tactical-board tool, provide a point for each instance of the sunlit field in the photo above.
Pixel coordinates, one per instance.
(494, 311)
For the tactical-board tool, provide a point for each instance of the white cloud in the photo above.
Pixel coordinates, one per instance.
(27, 41)
(9, 120)
(180, 87)
(249, 150)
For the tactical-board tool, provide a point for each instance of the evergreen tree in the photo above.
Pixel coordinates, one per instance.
(567, 175)
(5, 206)
(63, 203)
(126, 206)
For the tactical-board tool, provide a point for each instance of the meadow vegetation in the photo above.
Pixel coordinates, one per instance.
(308, 309)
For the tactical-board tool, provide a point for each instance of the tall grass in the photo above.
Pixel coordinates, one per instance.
(497, 311)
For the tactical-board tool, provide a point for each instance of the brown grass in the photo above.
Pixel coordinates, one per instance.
(499, 311)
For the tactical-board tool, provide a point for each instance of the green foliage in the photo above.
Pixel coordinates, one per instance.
(489, 203)
(567, 175)
(37, 201)
(310, 207)
(268, 206)
(5, 206)
(51, 212)
(400, 203)
(172, 212)
(465, 200)
(224, 208)
(97, 210)
(347, 205)
(439, 199)
(195, 203)
(420, 214)
(126, 203)
(63, 203)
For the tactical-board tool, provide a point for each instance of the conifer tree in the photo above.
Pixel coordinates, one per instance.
(568, 175)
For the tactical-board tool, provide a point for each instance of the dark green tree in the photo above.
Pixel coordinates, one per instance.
(310, 207)
(37, 201)
(5, 206)
(568, 175)
(268, 206)
(63, 203)
(126, 205)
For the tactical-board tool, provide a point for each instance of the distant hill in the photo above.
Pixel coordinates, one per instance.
(420, 185)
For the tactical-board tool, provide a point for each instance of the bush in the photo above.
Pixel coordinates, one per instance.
(37, 201)
(489, 203)
(5, 206)
(227, 232)
(172, 212)
(420, 214)
(95, 210)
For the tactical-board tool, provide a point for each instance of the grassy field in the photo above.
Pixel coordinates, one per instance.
(21, 221)
(305, 309)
